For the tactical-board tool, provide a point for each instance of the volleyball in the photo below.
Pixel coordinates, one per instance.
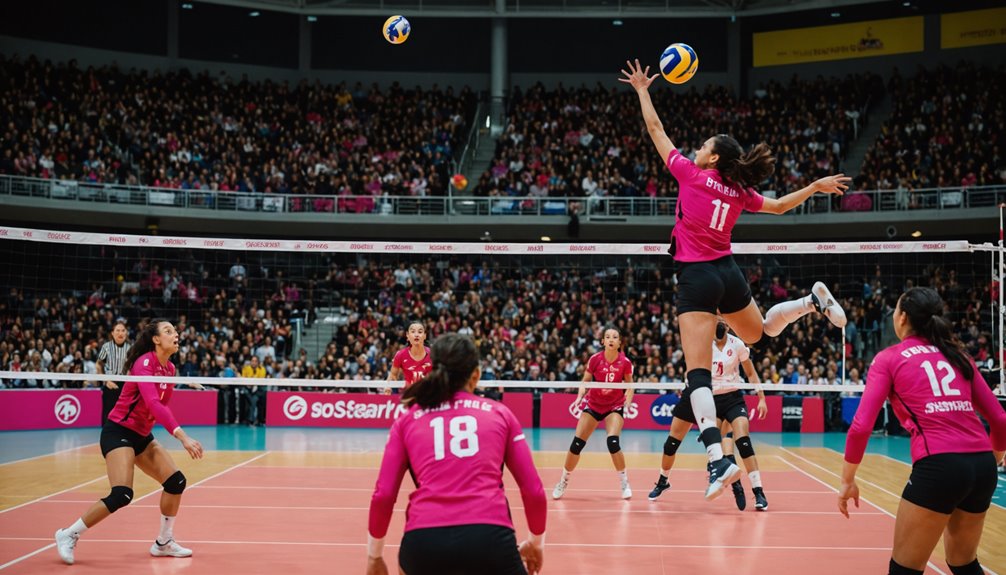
(678, 63)
(459, 181)
(397, 29)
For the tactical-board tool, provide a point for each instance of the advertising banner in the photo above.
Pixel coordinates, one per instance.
(839, 41)
(973, 28)
(61, 408)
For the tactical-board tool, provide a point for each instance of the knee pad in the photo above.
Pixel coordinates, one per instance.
(577, 446)
(671, 446)
(175, 484)
(895, 569)
(613, 446)
(744, 447)
(973, 568)
(700, 378)
(118, 498)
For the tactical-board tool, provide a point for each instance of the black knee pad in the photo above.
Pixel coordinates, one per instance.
(973, 568)
(175, 484)
(613, 446)
(895, 569)
(577, 446)
(744, 447)
(710, 436)
(118, 498)
(700, 378)
(671, 446)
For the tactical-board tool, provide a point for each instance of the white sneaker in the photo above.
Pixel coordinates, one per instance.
(560, 489)
(828, 305)
(626, 490)
(169, 549)
(65, 543)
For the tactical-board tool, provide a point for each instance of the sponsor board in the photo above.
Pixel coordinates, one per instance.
(23, 409)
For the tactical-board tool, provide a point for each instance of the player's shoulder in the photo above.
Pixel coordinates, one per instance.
(624, 358)
(736, 342)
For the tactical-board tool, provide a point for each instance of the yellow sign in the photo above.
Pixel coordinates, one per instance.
(839, 42)
(974, 28)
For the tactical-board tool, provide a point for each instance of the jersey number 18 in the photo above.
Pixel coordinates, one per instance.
(464, 441)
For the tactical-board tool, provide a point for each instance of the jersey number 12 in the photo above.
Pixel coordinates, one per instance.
(941, 387)
(464, 441)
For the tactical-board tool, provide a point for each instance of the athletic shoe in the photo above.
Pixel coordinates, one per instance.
(169, 549)
(739, 497)
(721, 472)
(560, 489)
(828, 305)
(626, 490)
(659, 487)
(761, 504)
(65, 544)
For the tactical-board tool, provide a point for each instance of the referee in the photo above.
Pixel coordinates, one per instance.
(110, 360)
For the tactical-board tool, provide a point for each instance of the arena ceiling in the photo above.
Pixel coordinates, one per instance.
(542, 8)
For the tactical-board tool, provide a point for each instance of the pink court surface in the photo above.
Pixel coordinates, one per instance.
(296, 511)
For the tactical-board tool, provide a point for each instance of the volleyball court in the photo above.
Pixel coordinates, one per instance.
(300, 505)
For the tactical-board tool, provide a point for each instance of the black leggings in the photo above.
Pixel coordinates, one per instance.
(461, 550)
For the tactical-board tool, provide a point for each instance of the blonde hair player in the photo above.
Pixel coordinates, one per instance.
(714, 190)
(607, 405)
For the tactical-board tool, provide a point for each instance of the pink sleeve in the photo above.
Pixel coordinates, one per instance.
(397, 361)
(389, 481)
(988, 405)
(753, 201)
(160, 411)
(878, 387)
(629, 370)
(591, 365)
(518, 460)
(683, 169)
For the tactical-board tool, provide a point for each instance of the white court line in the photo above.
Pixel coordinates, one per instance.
(44, 497)
(513, 489)
(550, 544)
(865, 500)
(53, 544)
(49, 454)
(650, 511)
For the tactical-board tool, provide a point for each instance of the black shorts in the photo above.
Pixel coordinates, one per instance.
(600, 416)
(948, 481)
(729, 406)
(461, 550)
(114, 436)
(714, 286)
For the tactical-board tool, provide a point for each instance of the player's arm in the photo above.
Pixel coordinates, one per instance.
(519, 461)
(587, 378)
(988, 405)
(836, 184)
(878, 387)
(393, 375)
(628, 392)
(640, 80)
(752, 375)
(152, 399)
(382, 502)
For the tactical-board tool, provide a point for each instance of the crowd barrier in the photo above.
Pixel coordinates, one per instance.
(23, 409)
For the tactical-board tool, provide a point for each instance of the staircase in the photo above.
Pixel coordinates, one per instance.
(317, 337)
(853, 163)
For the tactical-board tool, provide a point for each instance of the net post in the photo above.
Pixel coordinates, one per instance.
(845, 358)
(999, 288)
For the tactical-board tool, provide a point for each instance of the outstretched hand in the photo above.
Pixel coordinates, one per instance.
(836, 184)
(637, 77)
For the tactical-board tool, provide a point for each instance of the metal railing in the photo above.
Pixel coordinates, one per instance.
(62, 191)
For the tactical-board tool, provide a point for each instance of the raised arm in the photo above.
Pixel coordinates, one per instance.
(640, 81)
(836, 184)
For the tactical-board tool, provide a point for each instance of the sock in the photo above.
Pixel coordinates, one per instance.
(665, 473)
(167, 529)
(704, 408)
(77, 528)
(714, 452)
(755, 478)
(565, 474)
(623, 475)
(785, 313)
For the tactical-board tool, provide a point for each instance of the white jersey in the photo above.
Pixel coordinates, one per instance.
(727, 364)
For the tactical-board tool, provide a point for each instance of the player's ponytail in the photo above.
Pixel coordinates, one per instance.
(455, 358)
(144, 343)
(743, 169)
(925, 312)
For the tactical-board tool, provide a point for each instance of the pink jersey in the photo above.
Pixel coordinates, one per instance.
(142, 403)
(412, 370)
(456, 454)
(707, 211)
(932, 400)
(604, 400)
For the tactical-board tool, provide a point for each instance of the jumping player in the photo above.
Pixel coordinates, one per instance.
(126, 441)
(934, 387)
(729, 354)
(714, 189)
(455, 444)
(413, 361)
(605, 405)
